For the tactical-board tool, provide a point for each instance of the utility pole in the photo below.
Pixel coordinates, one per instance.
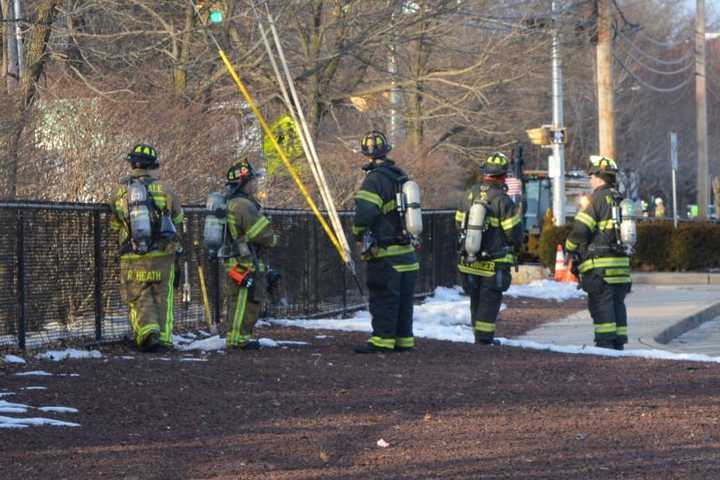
(605, 93)
(703, 168)
(395, 131)
(12, 53)
(558, 144)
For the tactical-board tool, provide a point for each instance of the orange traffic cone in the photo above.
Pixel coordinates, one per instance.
(560, 267)
(569, 277)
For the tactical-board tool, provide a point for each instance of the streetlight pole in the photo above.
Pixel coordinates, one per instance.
(703, 167)
(12, 51)
(19, 39)
(558, 145)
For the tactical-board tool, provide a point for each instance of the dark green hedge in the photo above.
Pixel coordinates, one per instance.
(692, 246)
(695, 247)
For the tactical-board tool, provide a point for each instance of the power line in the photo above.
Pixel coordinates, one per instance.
(649, 86)
(666, 45)
(659, 72)
(622, 15)
(630, 42)
(638, 28)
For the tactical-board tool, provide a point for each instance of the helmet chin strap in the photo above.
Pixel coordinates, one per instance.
(494, 178)
(235, 187)
(373, 163)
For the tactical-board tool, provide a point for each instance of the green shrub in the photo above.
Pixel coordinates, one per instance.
(550, 237)
(651, 250)
(694, 246)
(531, 251)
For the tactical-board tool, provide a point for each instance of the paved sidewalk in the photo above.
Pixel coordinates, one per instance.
(657, 314)
(704, 339)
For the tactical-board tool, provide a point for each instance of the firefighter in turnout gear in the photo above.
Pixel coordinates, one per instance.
(146, 214)
(249, 236)
(602, 260)
(490, 237)
(392, 265)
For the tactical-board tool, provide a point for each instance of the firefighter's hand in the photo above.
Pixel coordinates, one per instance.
(575, 265)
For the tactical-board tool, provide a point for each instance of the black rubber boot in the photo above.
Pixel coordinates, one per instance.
(482, 340)
(404, 349)
(151, 343)
(163, 348)
(605, 344)
(370, 348)
(251, 345)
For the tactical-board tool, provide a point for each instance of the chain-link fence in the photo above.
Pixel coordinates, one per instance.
(59, 271)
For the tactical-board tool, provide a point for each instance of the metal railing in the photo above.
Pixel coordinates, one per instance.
(59, 270)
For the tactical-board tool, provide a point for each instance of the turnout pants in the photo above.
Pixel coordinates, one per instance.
(391, 295)
(146, 285)
(242, 314)
(606, 303)
(485, 299)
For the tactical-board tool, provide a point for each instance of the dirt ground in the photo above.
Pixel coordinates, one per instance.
(447, 411)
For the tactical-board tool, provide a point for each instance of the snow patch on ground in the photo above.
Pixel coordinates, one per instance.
(10, 422)
(59, 355)
(444, 316)
(9, 407)
(13, 359)
(205, 345)
(270, 343)
(218, 343)
(591, 350)
(546, 290)
(58, 409)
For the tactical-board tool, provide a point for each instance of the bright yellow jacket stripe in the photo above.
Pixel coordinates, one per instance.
(371, 197)
(604, 262)
(511, 222)
(256, 228)
(586, 220)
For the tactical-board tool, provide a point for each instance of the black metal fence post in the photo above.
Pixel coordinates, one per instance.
(344, 290)
(20, 254)
(99, 314)
(217, 302)
(433, 249)
(315, 272)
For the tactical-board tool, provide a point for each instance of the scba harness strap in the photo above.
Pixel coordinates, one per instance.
(400, 237)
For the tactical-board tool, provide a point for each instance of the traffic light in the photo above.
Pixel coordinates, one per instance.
(211, 11)
(539, 136)
(217, 13)
(547, 135)
(559, 136)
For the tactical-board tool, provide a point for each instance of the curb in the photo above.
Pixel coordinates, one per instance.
(676, 278)
(687, 324)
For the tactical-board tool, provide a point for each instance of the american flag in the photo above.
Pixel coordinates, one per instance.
(514, 186)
